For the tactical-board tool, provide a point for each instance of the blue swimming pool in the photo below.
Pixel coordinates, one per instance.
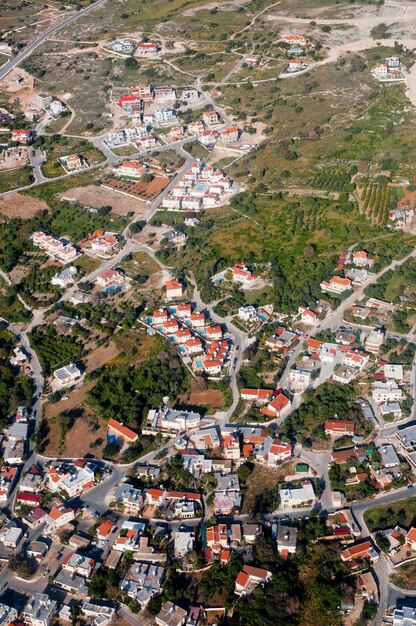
(199, 364)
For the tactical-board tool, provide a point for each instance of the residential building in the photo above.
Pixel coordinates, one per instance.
(8, 614)
(142, 581)
(174, 289)
(129, 536)
(362, 550)
(171, 615)
(73, 162)
(144, 92)
(118, 432)
(406, 616)
(147, 48)
(39, 610)
(389, 456)
(130, 499)
(336, 285)
(304, 495)
(387, 391)
(230, 135)
(249, 578)
(206, 438)
(251, 532)
(68, 375)
(273, 451)
(59, 516)
(11, 536)
(339, 428)
(80, 564)
(110, 278)
(393, 371)
(391, 409)
(210, 118)
(356, 359)
(56, 248)
(286, 539)
(299, 380)
(256, 395)
(21, 135)
(277, 408)
(98, 614)
(132, 169)
(73, 583)
(65, 277)
(248, 313)
(184, 543)
(374, 341)
(252, 59)
(307, 316)
(241, 274)
(173, 420)
(360, 259)
(231, 447)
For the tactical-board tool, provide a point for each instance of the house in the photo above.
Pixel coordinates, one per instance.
(252, 59)
(56, 248)
(273, 451)
(171, 615)
(294, 65)
(341, 456)
(411, 538)
(98, 614)
(251, 532)
(174, 289)
(256, 395)
(132, 169)
(307, 316)
(80, 564)
(117, 431)
(360, 259)
(344, 375)
(217, 538)
(356, 359)
(196, 128)
(103, 531)
(300, 496)
(206, 439)
(73, 162)
(147, 48)
(59, 516)
(210, 118)
(295, 40)
(144, 92)
(230, 135)
(393, 371)
(68, 375)
(142, 581)
(362, 550)
(231, 447)
(10, 536)
(39, 610)
(286, 539)
(22, 136)
(299, 380)
(249, 578)
(336, 285)
(129, 536)
(65, 277)
(173, 420)
(339, 428)
(131, 499)
(7, 614)
(391, 409)
(241, 274)
(165, 92)
(374, 341)
(110, 278)
(247, 313)
(406, 616)
(73, 583)
(184, 543)
(20, 357)
(35, 518)
(389, 456)
(387, 391)
(279, 407)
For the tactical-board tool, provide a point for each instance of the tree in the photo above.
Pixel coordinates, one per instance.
(21, 566)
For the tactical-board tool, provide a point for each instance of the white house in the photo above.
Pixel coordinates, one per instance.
(301, 496)
(39, 610)
(67, 375)
(65, 277)
(387, 391)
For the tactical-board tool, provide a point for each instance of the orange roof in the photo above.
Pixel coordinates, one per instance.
(57, 512)
(340, 426)
(411, 535)
(340, 281)
(155, 493)
(242, 579)
(314, 344)
(122, 430)
(361, 549)
(104, 529)
(173, 284)
(225, 556)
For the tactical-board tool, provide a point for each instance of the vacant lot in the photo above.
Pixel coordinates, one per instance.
(18, 205)
(147, 191)
(87, 435)
(97, 197)
(405, 576)
(99, 357)
(75, 398)
(263, 479)
(388, 516)
(211, 397)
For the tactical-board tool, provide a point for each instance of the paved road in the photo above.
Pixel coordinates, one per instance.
(15, 61)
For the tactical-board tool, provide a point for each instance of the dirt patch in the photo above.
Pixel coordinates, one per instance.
(21, 84)
(210, 397)
(98, 197)
(146, 191)
(18, 205)
(75, 398)
(263, 479)
(407, 200)
(99, 357)
(88, 435)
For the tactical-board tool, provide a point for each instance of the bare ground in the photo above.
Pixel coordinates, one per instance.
(18, 205)
(98, 197)
(211, 397)
(79, 438)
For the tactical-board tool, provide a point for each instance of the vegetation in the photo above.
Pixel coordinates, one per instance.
(55, 350)
(14, 390)
(391, 515)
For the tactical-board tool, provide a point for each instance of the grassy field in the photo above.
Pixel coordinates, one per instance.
(388, 516)
(14, 179)
(404, 576)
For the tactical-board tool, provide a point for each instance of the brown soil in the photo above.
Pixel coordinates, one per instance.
(75, 398)
(79, 438)
(99, 357)
(211, 397)
(98, 197)
(147, 191)
(18, 205)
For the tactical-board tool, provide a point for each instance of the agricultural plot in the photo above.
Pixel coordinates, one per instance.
(375, 200)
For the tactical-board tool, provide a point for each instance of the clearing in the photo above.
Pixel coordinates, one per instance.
(405, 576)
(263, 479)
(99, 357)
(210, 397)
(75, 398)
(87, 435)
(97, 197)
(18, 205)
(145, 191)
